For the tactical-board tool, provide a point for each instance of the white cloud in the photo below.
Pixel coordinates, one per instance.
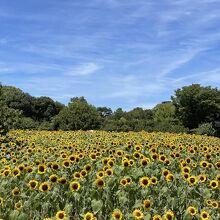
(83, 69)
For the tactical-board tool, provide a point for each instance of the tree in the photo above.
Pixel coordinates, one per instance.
(104, 111)
(15, 98)
(204, 129)
(164, 112)
(77, 115)
(9, 118)
(139, 119)
(45, 108)
(196, 105)
(165, 119)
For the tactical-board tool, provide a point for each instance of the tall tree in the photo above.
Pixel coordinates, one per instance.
(45, 108)
(104, 111)
(196, 104)
(15, 98)
(77, 115)
(9, 118)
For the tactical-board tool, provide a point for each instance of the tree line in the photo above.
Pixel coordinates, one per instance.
(192, 109)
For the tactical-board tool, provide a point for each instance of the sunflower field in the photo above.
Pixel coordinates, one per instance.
(109, 175)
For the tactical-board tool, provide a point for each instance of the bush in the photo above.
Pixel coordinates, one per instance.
(205, 128)
(27, 123)
(9, 118)
(167, 126)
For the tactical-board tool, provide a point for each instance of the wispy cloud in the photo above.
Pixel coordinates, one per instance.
(128, 52)
(83, 69)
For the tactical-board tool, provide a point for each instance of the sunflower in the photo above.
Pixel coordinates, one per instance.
(66, 163)
(144, 181)
(92, 156)
(192, 180)
(119, 153)
(117, 214)
(41, 168)
(217, 164)
(100, 183)
(169, 177)
(214, 204)
(136, 155)
(131, 162)
(203, 164)
(60, 215)
(213, 184)
(144, 162)
(123, 182)
(88, 216)
(188, 160)
(153, 180)
(169, 215)
(62, 180)
(185, 175)
(138, 214)
(202, 178)
(125, 163)
(162, 158)
(55, 166)
(72, 158)
(21, 167)
(15, 191)
(147, 204)
(32, 184)
(157, 217)
(88, 167)
(129, 180)
(165, 172)
(100, 174)
(191, 210)
(53, 178)
(108, 172)
(44, 187)
(29, 169)
(76, 175)
(18, 205)
(186, 169)
(204, 215)
(83, 173)
(110, 163)
(154, 156)
(74, 186)
(6, 172)
(16, 172)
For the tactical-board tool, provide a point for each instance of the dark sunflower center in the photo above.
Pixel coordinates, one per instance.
(192, 180)
(55, 167)
(45, 187)
(33, 184)
(138, 214)
(41, 169)
(75, 186)
(61, 215)
(145, 182)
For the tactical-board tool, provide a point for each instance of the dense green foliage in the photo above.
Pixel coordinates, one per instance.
(193, 109)
(196, 105)
(9, 117)
(77, 115)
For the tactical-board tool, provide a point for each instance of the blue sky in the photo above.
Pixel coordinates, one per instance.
(116, 53)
